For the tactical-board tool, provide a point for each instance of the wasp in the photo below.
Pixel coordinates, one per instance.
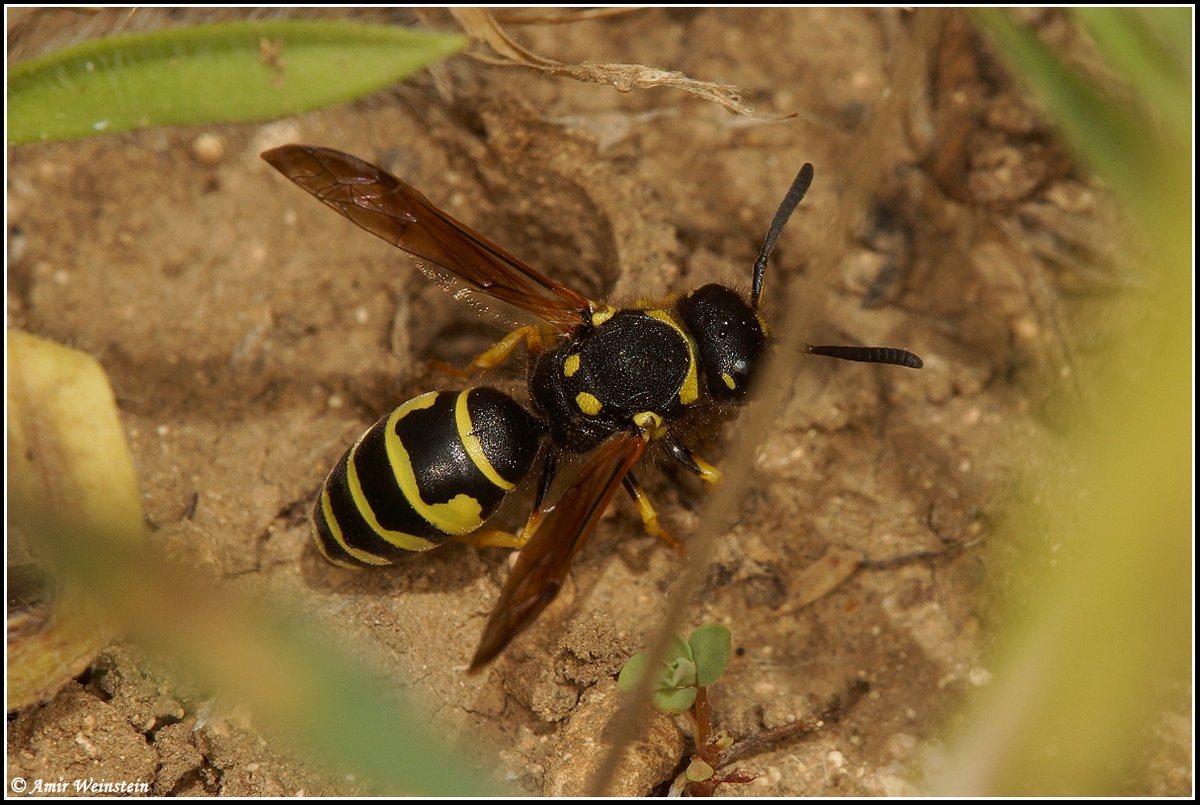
(603, 382)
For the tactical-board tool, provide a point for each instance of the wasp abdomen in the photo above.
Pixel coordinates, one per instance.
(436, 467)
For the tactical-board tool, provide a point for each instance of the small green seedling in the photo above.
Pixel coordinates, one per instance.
(687, 668)
(680, 686)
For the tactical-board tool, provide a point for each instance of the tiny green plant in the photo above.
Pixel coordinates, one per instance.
(680, 685)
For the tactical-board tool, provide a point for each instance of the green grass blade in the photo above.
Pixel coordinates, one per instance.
(308, 693)
(76, 509)
(208, 74)
(1140, 43)
(1087, 665)
(1111, 139)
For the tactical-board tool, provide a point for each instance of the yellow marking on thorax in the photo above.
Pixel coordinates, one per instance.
(474, 447)
(571, 364)
(651, 423)
(603, 314)
(689, 390)
(587, 403)
(729, 381)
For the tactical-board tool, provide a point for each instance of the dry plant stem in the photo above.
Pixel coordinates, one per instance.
(510, 16)
(703, 720)
(482, 26)
(832, 712)
(834, 709)
(918, 557)
(727, 496)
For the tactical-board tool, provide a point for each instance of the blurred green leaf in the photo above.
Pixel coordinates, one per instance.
(1111, 138)
(212, 73)
(75, 501)
(66, 450)
(303, 686)
(1137, 43)
(1104, 648)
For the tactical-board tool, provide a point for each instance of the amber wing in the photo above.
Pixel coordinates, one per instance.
(542, 564)
(397, 212)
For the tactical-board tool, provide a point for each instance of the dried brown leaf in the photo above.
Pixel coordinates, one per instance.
(824, 575)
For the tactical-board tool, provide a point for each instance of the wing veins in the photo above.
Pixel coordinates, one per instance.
(398, 213)
(542, 564)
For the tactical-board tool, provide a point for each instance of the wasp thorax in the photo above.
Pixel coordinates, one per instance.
(729, 339)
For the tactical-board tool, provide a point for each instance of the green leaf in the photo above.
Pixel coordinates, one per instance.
(633, 671)
(676, 700)
(211, 73)
(680, 673)
(712, 646)
(1139, 43)
(674, 680)
(1129, 577)
(676, 649)
(698, 771)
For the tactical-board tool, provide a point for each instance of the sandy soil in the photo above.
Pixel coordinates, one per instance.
(251, 334)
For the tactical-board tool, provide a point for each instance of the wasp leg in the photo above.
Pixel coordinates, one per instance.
(497, 353)
(692, 462)
(649, 516)
(549, 468)
(497, 538)
(493, 538)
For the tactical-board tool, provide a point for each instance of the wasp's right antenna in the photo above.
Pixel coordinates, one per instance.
(890, 355)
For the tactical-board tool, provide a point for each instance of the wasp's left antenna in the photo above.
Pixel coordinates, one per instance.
(795, 195)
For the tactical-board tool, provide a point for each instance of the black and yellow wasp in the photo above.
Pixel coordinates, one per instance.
(603, 381)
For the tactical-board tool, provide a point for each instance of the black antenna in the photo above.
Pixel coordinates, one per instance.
(890, 355)
(794, 195)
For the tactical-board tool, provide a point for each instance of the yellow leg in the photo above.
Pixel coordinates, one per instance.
(492, 538)
(708, 472)
(690, 461)
(497, 538)
(497, 353)
(650, 516)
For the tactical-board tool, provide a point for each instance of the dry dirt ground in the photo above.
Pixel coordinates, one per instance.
(251, 334)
